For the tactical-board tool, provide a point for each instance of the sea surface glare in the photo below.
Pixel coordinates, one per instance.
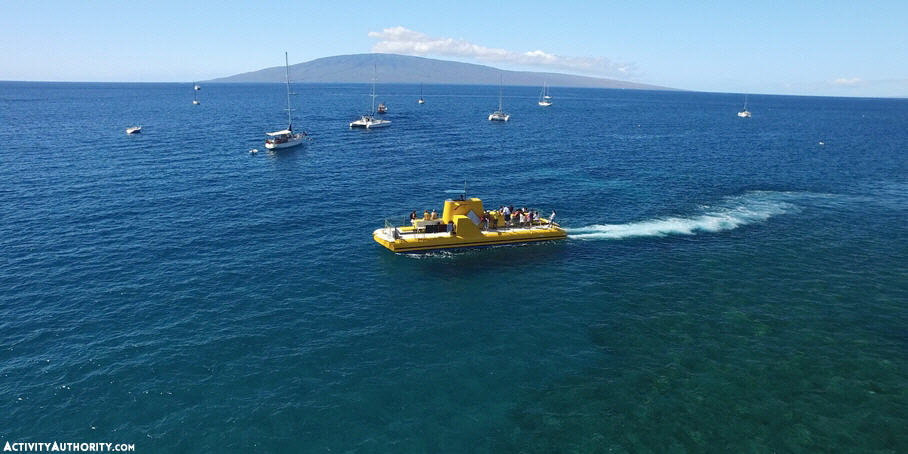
(728, 285)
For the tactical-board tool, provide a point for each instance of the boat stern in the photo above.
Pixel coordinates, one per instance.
(385, 237)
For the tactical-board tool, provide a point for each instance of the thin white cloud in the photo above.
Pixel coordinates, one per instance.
(400, 40)
(847, 82)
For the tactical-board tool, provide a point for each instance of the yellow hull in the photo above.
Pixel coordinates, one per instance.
(414, 242)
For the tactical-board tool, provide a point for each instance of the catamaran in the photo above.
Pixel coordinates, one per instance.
(499, 115)
(369, 121)
(544, 98)
(744, 113)
(285, 138)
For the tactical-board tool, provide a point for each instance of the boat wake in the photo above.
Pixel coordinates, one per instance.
(731, 213)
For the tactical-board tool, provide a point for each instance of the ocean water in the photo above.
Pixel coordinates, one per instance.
(728, 285)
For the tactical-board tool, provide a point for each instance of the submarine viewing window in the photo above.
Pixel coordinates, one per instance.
(435, 228)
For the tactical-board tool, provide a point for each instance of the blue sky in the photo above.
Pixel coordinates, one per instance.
(823, 48)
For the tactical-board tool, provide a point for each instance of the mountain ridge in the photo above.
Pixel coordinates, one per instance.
(395, 68)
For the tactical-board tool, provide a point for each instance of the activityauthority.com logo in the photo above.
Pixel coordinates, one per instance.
(67, 447)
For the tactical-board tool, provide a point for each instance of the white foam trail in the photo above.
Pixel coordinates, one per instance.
(731, 214)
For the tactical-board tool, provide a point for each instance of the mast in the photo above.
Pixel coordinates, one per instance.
(289, 110)
(499, 92)
(373, 89)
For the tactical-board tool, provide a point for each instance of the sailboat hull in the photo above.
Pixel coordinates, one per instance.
(370, 124)
(285, 141)
(283, 145)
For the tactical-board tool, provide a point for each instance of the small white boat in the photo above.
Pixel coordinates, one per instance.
(195, 94)
(421, 101)
(370, 121)
(285, 138)
(744, 113)
(499, 115)
(382, 108)
(544, 98)
(254, 151)
(196, 87)
(133, 130)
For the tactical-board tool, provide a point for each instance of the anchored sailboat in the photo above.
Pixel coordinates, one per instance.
(544, 98)
(421, 101)
(499, 115)
(285, 138)
(744, 113)
(195, 94)
(369, 121)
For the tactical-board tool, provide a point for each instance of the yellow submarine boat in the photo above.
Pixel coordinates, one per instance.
(464, 224)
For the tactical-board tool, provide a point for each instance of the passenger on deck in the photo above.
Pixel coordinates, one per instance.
(451, 227)
(425, 215)
(412, 216)
(507, 216)
(552, 219)
(434, 215)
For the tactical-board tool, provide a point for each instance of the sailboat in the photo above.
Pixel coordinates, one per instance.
(421, 101)
(195, 94)
(544, 98)
(285, 138)
(744, 113)
(499, 114)
(369, 121)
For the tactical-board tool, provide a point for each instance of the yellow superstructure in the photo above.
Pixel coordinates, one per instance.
(465, 224)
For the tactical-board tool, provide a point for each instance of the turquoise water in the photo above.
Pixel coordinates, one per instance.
(728, 285)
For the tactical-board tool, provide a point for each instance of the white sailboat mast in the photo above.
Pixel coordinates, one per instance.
(289, 110)
(373, 90)
(499, 92)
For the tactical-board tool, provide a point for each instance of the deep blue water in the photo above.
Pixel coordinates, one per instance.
(729, 285)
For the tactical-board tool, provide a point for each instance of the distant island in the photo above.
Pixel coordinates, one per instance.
(405, 69)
